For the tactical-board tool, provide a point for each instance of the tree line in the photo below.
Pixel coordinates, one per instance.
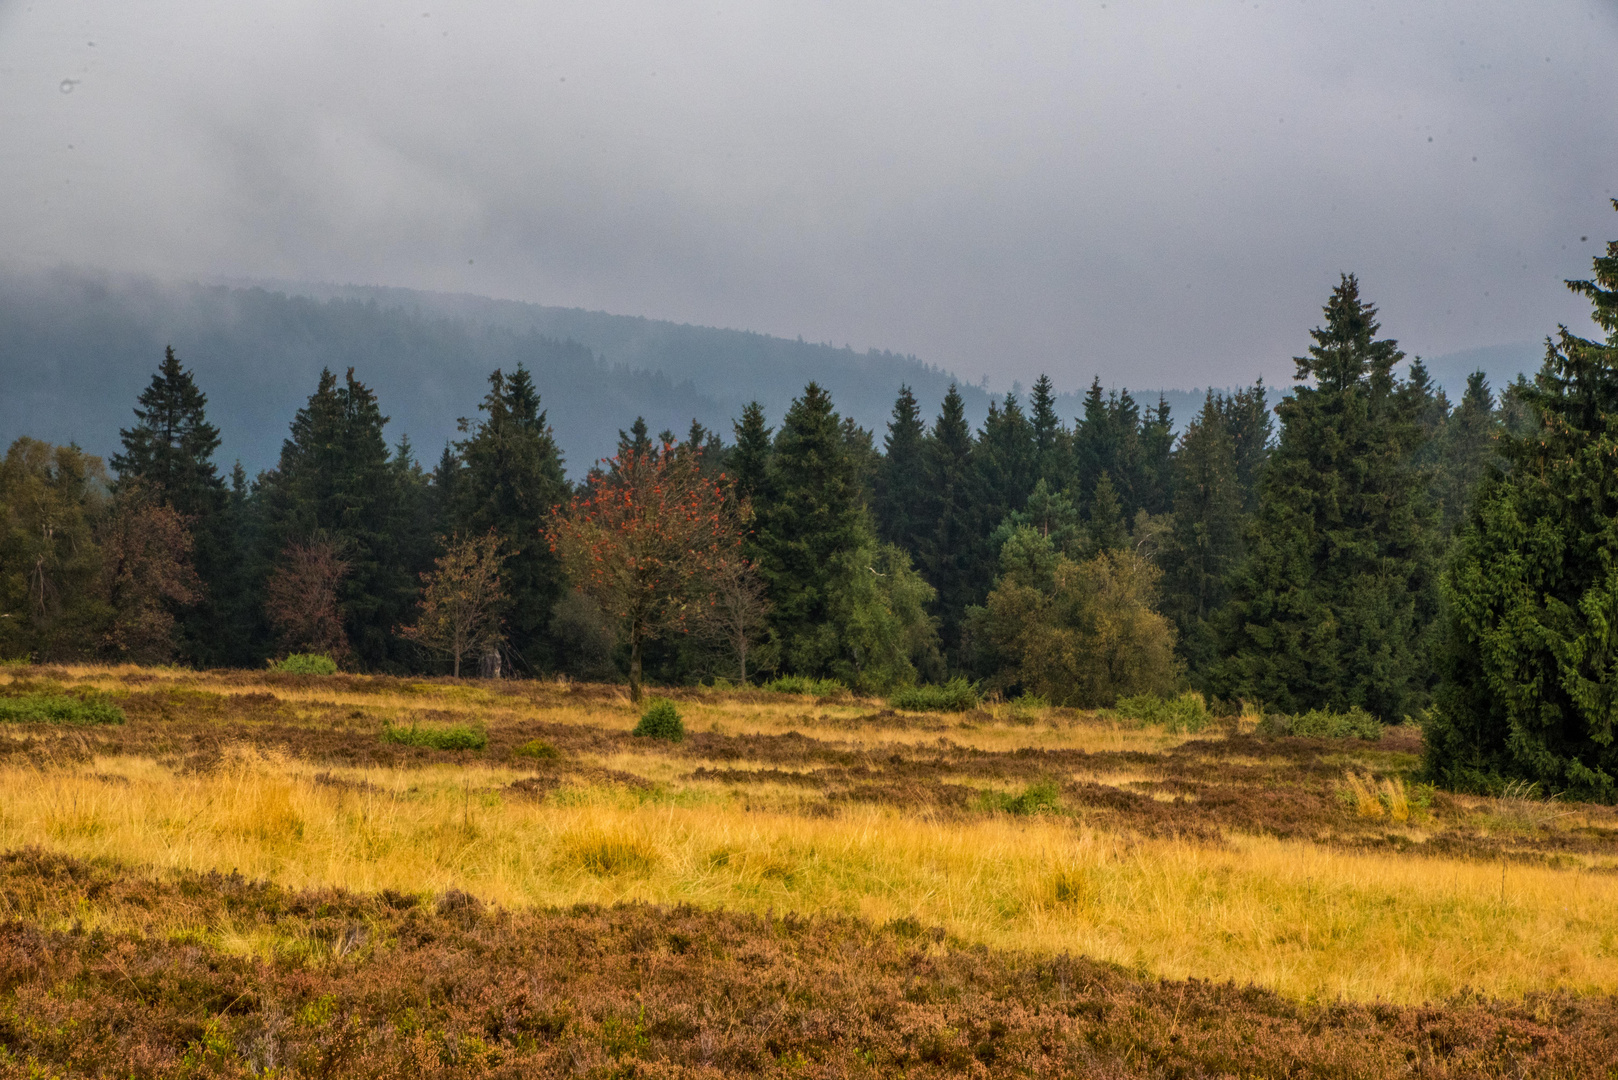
(1366, 544)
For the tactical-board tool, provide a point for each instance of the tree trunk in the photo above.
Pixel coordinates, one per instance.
(457, 665)
(634, 666)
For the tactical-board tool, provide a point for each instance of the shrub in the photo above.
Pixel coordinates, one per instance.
(957, 695)
(81, 706)
(1040, 798)
(661, 720)
(450, 737)
(539, 749)
(1188, 712)
(802, 684)
(1356, 723)
(306, 664)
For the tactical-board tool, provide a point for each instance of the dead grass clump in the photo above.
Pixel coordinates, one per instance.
(607, 854)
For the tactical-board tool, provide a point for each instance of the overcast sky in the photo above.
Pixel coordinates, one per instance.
(1161, 192)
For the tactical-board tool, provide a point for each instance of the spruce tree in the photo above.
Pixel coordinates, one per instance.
(170, 449)
(901, 512)
(1530, 687)
(512, 477)
(1247, 417)
(168, 454)
(1053, 443)
(1157, 460)
(1205, 537)
(1006, 459)
(750, 457)
(1334, 605)
(336, 480)
(951, 547)
(812, 517)
(1105, 523)
(1467, 448)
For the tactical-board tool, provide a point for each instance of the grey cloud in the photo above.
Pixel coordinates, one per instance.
(1160, 192)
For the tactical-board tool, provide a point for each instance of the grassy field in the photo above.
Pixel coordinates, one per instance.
(1303, 896)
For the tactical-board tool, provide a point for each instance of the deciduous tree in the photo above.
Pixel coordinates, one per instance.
(462, 600)
(301, 598)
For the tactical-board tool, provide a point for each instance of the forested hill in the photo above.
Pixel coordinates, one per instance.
(75, 349)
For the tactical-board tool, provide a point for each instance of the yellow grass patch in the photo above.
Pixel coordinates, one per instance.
(1304, 919)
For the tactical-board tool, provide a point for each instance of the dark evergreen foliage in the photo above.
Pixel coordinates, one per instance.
(1334, 604)
(951, 550)
(510, 478)
(1530, 689)
(902, 495)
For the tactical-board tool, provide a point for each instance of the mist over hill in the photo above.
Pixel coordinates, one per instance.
(77, 347)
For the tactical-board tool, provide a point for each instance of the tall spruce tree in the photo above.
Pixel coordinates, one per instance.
(953, 545)
(337, 480)
(1466, 450)
(812, 519)
(902, 496)
(512, 477)
(1247, 417)
(750, 457)
(1053, 443)
(1334, 605)
(169, 453)
(1530, 687)
(1005, 457)
(1157, 460)
(1205, 537)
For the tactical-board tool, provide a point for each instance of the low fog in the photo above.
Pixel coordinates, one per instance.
(1159, 192)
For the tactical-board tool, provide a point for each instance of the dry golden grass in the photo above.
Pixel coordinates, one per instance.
(1301, 918)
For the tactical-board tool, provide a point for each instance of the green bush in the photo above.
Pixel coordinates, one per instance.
(957, 695)
(537, 748)
(661, 720)
(802, 684)
(1356, 723)
(449, 737)
(1187, 712)
(82, 706)
(1041, 798)
(306, 664)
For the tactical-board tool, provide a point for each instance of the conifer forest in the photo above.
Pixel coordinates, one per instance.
(1367, 548)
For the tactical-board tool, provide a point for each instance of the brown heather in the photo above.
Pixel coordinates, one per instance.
(395, 985)
(571, 900)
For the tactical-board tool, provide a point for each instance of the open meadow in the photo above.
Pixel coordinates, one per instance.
(259, 873)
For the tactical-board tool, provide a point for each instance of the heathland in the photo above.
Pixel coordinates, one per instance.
(259, 872)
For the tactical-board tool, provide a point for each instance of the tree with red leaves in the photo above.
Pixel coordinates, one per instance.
(647, 539)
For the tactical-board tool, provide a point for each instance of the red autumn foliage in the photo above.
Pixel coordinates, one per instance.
(647, 539)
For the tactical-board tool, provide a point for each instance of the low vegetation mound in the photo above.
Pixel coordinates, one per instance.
(802, 684)
(661, 720)
(1188, 712)
(399, 984)
(26, 703)
(436, 737)
(306, 664)
(1356, 723)
(957, 695)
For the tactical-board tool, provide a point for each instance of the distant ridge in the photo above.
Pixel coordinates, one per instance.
(76, 347)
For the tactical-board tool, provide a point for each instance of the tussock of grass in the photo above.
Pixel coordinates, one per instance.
(436, 737)
(57, 706)
(957, 695)
(538, 749)
(1041, 798)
